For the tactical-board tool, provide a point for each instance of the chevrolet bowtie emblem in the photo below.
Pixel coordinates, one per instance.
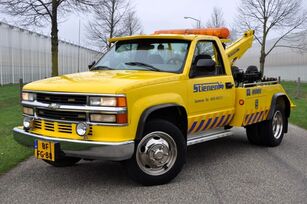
(54, 106)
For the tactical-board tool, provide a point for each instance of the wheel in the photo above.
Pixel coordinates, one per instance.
(159, 156)
(63, 161)
(270, 132)
(273, 130)
(253, 134)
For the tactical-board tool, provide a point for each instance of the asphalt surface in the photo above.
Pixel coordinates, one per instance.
(228, 170)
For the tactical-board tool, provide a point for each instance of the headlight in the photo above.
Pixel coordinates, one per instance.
(107, 101)
(28, 96)
(28, 111)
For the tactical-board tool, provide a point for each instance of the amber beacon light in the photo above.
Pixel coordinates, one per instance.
(222, 32)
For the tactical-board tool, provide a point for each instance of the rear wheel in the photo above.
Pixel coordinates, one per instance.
(159, 156)
(270, 132)
(63, 161)
(273, 130)
(253, 134)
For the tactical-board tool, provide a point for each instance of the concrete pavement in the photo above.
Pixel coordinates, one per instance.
(228, 170)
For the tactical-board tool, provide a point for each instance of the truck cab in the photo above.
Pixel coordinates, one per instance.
(150, 97)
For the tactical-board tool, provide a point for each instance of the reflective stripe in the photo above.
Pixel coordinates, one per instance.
(246, 119)
(207, 124)
(220, 122)
(255, 118)
(259, 117)
(250, 118)
(193, 126)
(226, 121)
(214, 122)
(200, 125)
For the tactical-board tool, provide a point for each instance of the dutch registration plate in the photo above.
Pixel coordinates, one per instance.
(44, 150)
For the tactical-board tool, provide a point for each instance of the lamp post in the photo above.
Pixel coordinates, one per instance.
(195, 19)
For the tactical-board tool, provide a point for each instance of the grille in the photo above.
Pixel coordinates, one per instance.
(61, 99)
(61, 127)
(61, 115)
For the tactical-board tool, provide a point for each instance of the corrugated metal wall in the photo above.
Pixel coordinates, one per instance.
(27, 55)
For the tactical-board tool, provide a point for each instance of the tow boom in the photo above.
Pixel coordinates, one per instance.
(236, 50)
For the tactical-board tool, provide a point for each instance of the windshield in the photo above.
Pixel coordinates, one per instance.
(146, 54)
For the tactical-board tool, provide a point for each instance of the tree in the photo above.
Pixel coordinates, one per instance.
(131, 23)
(216, 19)
(112, 18)
(282, 18)
(41, 13)
(106, 23)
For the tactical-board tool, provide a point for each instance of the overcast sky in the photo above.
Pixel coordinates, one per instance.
(160, 14)
(156, 15)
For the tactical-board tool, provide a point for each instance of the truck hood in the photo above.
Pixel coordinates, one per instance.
(103, 81)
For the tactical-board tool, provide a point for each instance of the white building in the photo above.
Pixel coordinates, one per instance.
(27, 55)
(287, 63)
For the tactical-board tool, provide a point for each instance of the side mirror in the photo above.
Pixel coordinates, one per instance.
(202, 67)
(91, 65)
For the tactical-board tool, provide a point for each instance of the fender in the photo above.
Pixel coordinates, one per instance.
(273, 106)
(146, 113)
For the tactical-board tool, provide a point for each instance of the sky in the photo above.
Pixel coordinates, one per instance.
(154, 15)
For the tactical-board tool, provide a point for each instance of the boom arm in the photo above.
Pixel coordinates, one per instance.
(237, 49)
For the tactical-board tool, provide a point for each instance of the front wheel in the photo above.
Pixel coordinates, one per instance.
(159, 155)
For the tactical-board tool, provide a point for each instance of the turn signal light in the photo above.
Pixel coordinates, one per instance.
(121, 102)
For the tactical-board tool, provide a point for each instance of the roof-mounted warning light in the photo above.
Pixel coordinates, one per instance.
(222, 32)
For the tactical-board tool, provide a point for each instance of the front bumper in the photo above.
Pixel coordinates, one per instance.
(114, 151)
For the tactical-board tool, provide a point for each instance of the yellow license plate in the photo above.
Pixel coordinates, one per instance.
(44, 150)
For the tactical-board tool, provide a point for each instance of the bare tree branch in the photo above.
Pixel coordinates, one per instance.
(283, 17)
(112, 18)
(217, 18)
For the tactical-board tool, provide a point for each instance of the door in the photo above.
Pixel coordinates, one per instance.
(211, 92)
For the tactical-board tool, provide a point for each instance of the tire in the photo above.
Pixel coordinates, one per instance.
(270, 132)
(273, 130)
(159, 155)
(253, 134)
(63, 161)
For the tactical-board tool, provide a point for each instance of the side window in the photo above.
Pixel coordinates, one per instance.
(207, 50)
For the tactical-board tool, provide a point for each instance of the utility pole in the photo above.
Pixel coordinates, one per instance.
(79, 44)
(195, 19)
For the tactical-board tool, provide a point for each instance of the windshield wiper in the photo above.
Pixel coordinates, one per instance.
(141, 64)
(102, 68)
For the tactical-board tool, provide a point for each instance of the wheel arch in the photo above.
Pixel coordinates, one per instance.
(282, 99)
(155, 111)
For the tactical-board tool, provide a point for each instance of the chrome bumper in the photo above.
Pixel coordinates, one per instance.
(114, 151)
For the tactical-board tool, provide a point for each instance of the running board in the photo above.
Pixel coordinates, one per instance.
(206, 137)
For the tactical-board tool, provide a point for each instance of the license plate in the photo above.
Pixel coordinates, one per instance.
(45, 150)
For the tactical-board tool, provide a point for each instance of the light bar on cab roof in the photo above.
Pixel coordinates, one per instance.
(222, 33)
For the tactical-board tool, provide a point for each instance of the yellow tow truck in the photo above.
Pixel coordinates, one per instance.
(150, 97)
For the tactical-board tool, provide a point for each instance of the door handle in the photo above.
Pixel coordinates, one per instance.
(228, 85)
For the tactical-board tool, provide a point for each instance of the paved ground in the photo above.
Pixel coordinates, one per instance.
(228, 170)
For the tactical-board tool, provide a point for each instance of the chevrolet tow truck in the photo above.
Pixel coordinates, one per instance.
(149, 98)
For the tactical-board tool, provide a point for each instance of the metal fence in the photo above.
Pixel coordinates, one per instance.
(27, 55)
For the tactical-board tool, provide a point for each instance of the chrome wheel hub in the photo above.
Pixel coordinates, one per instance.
(156, 153)
(277, 124)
